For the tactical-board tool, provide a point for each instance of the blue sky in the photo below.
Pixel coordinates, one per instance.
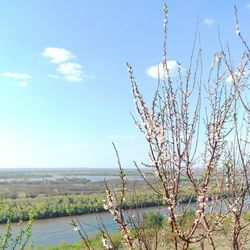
(65, 93)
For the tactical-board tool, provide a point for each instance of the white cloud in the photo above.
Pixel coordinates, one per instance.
(70, 71)
(14, 75)
(209, 22)
(23, 84)
(121, 137)
(229, 79)
(75, 146)
(156, 70)
(58, 55)
(248, 5)
(240, 75)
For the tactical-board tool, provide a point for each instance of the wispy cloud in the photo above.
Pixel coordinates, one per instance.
(248, 5)
(121, 137)
(209, 21)
(58, 55)
(158, 71)
(75, 146)
(14, 75)
(23, 84)
(19, 79)
(71, 71)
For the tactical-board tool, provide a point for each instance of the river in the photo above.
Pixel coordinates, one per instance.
(57, 230)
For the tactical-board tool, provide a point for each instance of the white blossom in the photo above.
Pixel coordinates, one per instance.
(237, 29)
(76, 229)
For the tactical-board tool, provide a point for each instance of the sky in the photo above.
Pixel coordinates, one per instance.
(65, 93)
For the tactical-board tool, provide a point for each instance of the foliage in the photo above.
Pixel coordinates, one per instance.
(65, 205)
(185, 219)
(9, 240)
(153, 220)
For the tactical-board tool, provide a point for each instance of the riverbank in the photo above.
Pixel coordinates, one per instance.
(54, 231)
(55, 206)
(67, 205)
(57, 231)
